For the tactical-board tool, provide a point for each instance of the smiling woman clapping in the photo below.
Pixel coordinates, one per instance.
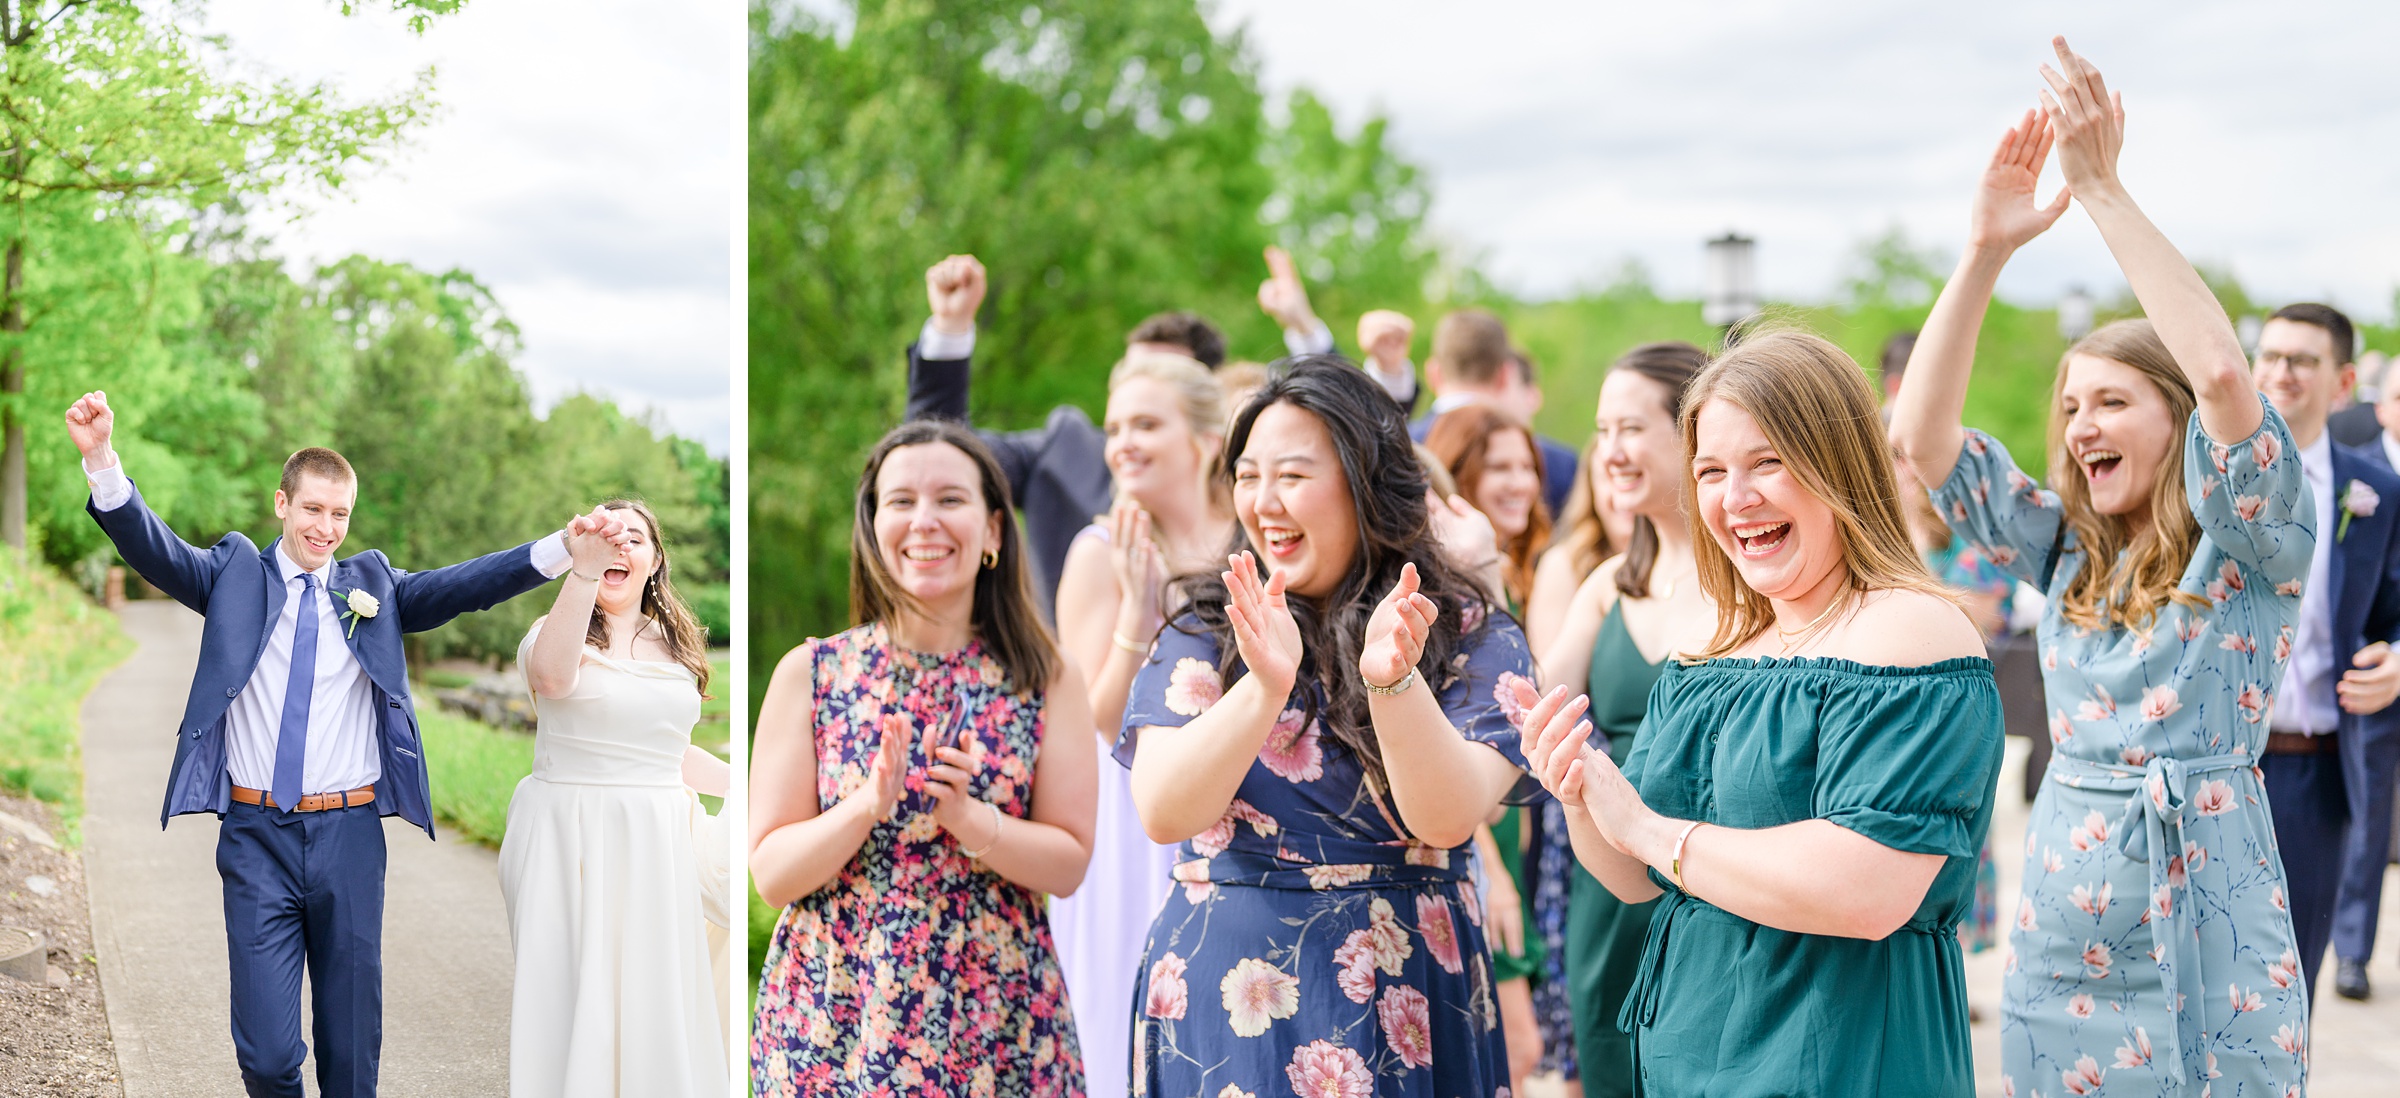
(1809, 790)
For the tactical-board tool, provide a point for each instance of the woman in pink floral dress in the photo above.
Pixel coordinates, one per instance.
(1323, 740)
(920, 782)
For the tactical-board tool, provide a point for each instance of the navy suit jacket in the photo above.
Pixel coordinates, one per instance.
(239, 590)
(2366, 573)
(1558, 464)
(1057, 475)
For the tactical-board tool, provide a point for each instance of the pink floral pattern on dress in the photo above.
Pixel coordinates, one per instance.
(915, 971)
(1338, 963)
(2211, 912)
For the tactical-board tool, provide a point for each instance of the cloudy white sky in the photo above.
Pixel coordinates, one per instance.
(583, 165)
(1565, 137)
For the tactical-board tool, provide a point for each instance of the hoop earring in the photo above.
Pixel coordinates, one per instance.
(991, 558)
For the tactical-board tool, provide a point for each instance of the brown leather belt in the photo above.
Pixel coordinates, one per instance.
(312, 802)
(2293, 743)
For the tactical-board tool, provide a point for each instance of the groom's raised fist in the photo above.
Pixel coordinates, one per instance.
(89, 423)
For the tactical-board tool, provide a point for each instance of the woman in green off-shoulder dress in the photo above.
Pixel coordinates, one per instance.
(1809, 789)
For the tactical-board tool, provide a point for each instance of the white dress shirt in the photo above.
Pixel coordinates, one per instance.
(2391, 449)
(935, 345)
(2305, 701)
(341, 752)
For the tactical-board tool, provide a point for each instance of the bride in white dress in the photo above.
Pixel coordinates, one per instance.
(613, 874)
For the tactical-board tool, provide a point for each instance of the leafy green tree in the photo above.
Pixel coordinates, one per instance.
(111, 118)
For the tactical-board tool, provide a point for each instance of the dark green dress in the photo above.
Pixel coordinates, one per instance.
(1906, 756)
(1604, 934)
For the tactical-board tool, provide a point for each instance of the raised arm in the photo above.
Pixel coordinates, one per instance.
(1444, 785)
(1933, 393)
(798, 845)
(184, 572)
(940, 362)
(2090, 121)
(555, 662)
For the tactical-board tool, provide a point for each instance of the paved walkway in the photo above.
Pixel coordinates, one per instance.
(158, 922)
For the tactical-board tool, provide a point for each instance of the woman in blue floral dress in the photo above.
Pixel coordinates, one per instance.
(1323, 740)
(2152, 951)
(920, 782)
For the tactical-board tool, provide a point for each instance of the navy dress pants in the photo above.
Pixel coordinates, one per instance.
(304, 888)
(2311, 809)
(2370, 761)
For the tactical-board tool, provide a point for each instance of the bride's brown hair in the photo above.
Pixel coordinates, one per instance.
(686, 638)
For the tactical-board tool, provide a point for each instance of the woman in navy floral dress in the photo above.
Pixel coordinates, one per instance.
(1324, 740)
(2152, 952)
(920, 782)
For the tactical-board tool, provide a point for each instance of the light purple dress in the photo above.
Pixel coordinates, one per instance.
(1102, 929)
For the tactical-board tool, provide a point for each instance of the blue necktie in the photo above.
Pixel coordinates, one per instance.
(291, 741)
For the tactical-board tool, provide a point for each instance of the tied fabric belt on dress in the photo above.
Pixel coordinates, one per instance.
(1262, 861)
(2157, 793)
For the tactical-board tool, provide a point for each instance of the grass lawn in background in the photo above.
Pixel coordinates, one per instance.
(55, 643)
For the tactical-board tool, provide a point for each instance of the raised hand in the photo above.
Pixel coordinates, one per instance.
(1555, 739)
(2004, 214)
(2088, 119)
(949, 771)
(1462, 531)
(1264, 631)
(89, 424)
(1384, 336)
(954, 291)
(887, 773)
(1397, 631)
(1282, 295)
(1140, 568)
(594, 539)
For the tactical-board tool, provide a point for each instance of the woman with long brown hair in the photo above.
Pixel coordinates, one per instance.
(602, 865)
(1812, 780)
(1591, 528)
(1497, 467)
(2173, 543)
(921, 781)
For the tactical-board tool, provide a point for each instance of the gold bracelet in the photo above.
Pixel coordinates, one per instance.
(1128, 644)
(1675, 863)
(585, 578)
(977, 855)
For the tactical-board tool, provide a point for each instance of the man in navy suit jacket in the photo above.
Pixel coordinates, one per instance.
(1472, 362)
(2334, 735)
(300, 733)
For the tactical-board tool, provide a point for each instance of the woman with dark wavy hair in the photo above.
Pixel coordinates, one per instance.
(1322, 735)
(921, 780)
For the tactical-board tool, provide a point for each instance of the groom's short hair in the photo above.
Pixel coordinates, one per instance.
(315, 461)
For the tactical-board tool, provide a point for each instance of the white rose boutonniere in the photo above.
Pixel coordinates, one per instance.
(362, 605)
(2358, 501)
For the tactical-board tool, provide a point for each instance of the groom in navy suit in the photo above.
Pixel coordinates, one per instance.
(2333, 726)
(300, 735)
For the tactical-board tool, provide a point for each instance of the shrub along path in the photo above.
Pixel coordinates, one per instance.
(158, 924)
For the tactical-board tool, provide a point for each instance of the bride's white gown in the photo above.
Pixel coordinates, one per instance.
(607, 894)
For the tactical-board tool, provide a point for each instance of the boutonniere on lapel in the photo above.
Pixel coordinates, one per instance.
(2358, 501)
(363, 605)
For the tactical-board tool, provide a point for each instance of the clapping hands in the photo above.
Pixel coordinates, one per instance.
(1264, 631)
(1397, 631)
(1140, 568)
(2089, 121)
(887, 772)
(1558, 751)
(2004, 214)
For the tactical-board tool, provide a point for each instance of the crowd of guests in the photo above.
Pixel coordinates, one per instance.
(1439, 754)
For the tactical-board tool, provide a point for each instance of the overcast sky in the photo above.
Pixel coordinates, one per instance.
(1563, 138)
(582, 165)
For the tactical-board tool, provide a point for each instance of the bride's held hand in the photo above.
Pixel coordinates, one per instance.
(1396, 632)
(2089, 121)
(593, 540)
(1264, 631)
(2004, 215)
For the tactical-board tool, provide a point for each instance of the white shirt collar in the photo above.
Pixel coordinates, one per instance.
(291, 568)
(1451, 400)
(2316, 458)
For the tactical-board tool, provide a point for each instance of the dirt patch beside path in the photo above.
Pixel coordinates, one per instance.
(54, 1040)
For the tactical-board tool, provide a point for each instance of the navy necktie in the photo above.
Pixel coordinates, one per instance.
(291, 741)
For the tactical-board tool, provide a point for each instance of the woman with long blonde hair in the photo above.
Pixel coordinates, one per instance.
(2173, 541)
(1812, 781)
(1165, 426)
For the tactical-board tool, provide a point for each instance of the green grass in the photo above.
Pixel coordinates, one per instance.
(54, 645)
